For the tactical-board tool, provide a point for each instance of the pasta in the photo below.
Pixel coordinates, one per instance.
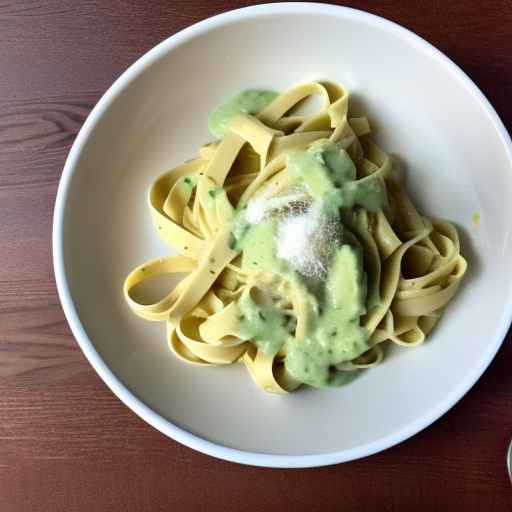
(396, 268)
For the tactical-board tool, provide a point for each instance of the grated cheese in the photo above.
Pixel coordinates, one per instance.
(305, 241)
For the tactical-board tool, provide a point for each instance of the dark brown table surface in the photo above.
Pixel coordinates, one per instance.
(66, 442)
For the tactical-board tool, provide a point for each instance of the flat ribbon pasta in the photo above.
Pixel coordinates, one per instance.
(414, 265)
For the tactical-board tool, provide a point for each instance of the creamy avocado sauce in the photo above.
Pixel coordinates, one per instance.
(336, 300)
(329, 175)
(247, 102)
(215, 196)
(337, 335)
(266, 325)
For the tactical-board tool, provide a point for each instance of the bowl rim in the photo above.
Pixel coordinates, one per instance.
(114, 383)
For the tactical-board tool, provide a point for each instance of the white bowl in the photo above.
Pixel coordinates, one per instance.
(424, 109)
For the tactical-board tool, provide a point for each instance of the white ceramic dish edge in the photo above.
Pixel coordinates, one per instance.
(154, 419)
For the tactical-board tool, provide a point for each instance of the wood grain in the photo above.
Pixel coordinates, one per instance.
(66, 443)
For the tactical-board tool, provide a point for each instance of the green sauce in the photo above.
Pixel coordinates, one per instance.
(265, 324)
(329, 175)
(337, 335)
(335, 302)
(247, 102)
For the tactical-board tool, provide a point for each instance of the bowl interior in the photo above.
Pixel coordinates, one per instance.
(422, 110)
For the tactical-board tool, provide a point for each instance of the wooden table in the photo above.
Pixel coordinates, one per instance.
(66, 442)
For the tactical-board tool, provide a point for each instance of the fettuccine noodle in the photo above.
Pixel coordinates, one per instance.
(413, 264)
